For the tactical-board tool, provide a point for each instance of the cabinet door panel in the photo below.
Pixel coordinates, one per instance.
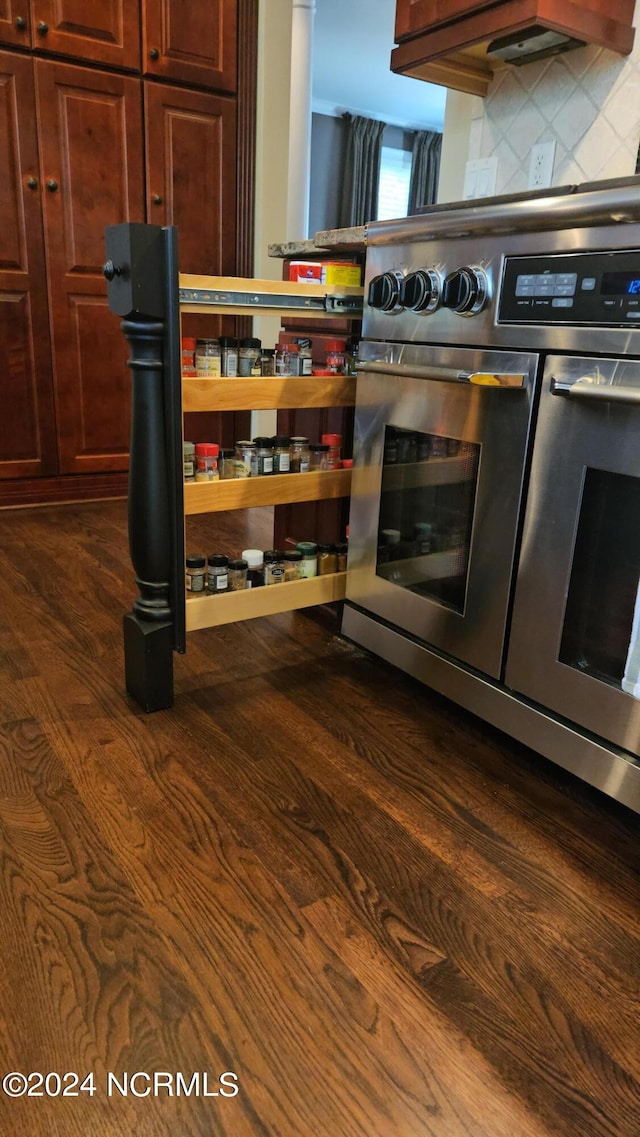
(90, 146)
(100, 31)
(15, 24)
(193, 43)
(191, 163)
(27, 430)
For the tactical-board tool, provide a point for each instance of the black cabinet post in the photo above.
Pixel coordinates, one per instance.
(142, 275)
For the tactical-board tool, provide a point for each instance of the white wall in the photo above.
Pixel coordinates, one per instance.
(587, 101)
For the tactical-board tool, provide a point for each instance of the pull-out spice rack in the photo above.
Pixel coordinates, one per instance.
(146, 288)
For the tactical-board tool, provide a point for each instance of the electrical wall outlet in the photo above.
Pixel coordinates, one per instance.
(541, 165)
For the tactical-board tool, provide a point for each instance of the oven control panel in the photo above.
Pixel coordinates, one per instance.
(599, 289)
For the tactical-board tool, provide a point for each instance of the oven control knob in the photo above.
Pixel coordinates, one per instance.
(384, 291)
(465, 291)
(421, 291)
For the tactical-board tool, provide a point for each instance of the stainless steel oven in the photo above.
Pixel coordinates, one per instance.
(494, 545)
(575, 643)
(441, 443)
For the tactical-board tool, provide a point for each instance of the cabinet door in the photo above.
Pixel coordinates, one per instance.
(191, 180)
(15, 27)
(192, 43)
(191, 183)
(27, 422)
(100, 31)
(90, 131)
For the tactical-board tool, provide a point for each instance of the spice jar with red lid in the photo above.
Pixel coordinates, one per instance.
(334, 442)
(336, 359)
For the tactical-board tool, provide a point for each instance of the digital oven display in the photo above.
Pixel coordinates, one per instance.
(620, 284)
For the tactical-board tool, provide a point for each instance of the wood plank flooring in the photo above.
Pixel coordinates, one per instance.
(384, 917)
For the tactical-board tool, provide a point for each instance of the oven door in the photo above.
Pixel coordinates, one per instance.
(439, 458)
(575, 643)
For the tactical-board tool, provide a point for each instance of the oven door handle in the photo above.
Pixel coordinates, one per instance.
(603, 392)
(508, 381)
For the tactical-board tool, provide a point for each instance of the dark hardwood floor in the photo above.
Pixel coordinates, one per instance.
(385, 918)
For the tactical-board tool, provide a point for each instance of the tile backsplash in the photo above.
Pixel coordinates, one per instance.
(587, 101)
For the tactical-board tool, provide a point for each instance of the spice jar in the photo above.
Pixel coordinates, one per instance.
(189, 461)
(208, 361)
(318, 456)
(229, 356)
(283, 361)
(281, 454)
(293, 565)
(334, 442)
(299, 454)
(274, 566)
(305, 362)
(255, 570)
(246, 463)
(268, 361)
(217, 573)
(207, 461)
(309, 562)
(195, 575)
(188, 356)
(237, 574)
(342, 549)
(226, 464)
(249, 357)
(336, 359)
(327, 559)
(264, 456)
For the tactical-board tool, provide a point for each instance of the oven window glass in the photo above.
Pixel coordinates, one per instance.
(427, 501)
(598, 631)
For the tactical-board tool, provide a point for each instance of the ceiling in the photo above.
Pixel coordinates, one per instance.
(352, 42)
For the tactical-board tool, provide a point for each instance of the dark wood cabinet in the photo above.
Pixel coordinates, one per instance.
(193, 43)
(90, 126)
(85, 147)
(99, 31)
(458, 43)
(191, 182)
(27, 422)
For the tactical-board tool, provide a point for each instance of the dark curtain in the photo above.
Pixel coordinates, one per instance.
(425, 168)
(361, 170)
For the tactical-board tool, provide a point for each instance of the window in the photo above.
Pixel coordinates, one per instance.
(393, 186)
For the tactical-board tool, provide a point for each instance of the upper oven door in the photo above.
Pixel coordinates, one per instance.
(439, 458)
(575, 642)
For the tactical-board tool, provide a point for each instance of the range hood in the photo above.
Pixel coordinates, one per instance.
(462, 51)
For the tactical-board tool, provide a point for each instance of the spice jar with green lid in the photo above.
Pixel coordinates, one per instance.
(309, 562)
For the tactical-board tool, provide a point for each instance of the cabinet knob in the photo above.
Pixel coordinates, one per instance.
(32, 182)
(156, 199)
(154, 53)
(21, 23)
(52, 185)
(109, 270)
(42, 28)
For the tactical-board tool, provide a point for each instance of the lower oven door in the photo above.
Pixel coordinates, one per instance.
(439, 458)
(575, 642)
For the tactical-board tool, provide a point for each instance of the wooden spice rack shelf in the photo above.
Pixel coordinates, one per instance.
(268, 393)
(214, 611)
(270, 489)
(232, 295)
